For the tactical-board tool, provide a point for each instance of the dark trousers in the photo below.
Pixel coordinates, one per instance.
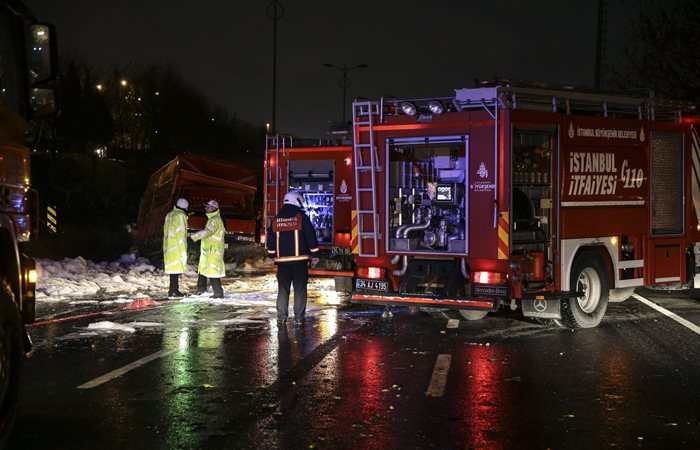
(174, 282)
(215, 285)
(288, 273)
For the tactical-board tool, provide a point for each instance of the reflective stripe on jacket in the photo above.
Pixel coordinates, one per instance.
(211, 257)
(291, 237)
(175, 241)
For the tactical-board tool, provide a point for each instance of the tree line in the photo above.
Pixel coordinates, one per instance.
(662, 53)
(115, 128)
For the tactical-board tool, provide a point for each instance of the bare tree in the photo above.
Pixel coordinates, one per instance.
(665, 50)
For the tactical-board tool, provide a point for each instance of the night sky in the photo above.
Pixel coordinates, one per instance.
(413, 49)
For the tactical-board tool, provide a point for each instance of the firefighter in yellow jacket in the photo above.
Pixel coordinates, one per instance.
(175, 246)
(211, 256)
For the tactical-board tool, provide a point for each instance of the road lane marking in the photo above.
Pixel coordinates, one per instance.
(122, 370)
(668, 313)
(453, 323)
(437, 382)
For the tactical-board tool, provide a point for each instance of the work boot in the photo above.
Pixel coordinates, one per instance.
(216, 287)
(299, 322)
(175, 294)
(201, 285)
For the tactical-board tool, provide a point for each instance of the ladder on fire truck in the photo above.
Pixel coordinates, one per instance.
(366, 162)
(272, 177)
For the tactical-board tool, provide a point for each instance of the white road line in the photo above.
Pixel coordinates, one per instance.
(439, 378)
(453, 323)
(122, 370)
(668, 313)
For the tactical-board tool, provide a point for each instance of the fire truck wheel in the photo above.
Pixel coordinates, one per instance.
(10, 354)
(588, 275)
(472, 315)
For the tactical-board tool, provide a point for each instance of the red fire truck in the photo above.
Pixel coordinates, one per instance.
(539, 197)
(322, 170)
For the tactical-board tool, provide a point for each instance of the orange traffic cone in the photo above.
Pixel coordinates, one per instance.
(140, 303)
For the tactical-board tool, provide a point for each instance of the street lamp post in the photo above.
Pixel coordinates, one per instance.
(344, 81)
(275, 11)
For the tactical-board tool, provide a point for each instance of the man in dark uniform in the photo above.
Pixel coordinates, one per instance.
(291, 240)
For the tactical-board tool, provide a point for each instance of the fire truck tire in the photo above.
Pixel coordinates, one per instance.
(10, 359)
(472, 315)
(588, 275)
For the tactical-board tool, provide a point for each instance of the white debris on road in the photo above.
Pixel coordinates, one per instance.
(111, 326)
(73, 278)
(250, 290)
(77, 277)
(78, 281)
(145, 324)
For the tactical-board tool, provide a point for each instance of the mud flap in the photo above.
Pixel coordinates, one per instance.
(543, 309)
(343, 284)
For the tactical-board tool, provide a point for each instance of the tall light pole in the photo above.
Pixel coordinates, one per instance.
(344, 81)
(601, 44)
(275, 11)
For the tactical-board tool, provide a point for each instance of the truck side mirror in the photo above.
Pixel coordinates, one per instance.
(41, 62)
(41, 53)
(43, 102)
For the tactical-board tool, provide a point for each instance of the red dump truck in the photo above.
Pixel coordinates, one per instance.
(27, 67)
(322, 170)
(198, 178)
(536, 197)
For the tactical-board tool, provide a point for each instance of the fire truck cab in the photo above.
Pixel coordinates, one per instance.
(538, 197)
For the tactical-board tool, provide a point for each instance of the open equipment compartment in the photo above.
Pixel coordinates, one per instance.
(315, 178)
(426, 202)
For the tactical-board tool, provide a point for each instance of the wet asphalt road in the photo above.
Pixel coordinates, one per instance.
(225, 376)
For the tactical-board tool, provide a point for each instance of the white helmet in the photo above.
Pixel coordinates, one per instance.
(213, 203)
(295, 198)
(182, 203)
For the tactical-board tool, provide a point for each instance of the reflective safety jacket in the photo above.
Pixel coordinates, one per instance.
(291, 237)
(175, 241)
(211, 257)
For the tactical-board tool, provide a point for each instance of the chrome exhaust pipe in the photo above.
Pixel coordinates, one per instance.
(463, 267)
(402, 271)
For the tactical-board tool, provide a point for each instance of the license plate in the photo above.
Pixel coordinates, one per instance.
(372, 285)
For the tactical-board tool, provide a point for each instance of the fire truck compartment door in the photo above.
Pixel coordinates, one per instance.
(667, 263)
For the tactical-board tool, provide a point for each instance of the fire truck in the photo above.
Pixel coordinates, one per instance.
(538, 197)
(27, 66)
(322, 170)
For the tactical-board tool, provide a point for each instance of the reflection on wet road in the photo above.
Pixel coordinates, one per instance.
(203, 374)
